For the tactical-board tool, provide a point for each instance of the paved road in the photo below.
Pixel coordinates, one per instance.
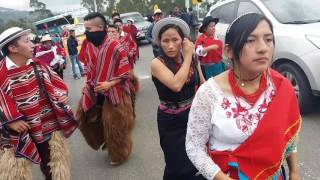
(146, 161)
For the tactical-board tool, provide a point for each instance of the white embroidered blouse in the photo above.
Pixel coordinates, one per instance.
(222, 122)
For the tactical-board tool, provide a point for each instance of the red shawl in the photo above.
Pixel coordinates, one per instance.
(262, 154)
(20, 100)
(107, 62)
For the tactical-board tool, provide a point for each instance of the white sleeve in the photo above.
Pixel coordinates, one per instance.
(198, 130)
(200, 51)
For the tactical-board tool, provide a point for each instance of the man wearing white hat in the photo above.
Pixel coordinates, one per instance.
(51, 54)
(34, 116)
(157, 15)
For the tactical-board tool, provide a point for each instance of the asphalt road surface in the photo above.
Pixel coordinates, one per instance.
(146, 161)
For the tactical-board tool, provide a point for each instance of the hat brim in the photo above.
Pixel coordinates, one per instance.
(14, 36)
(169, 20)
(203, 26)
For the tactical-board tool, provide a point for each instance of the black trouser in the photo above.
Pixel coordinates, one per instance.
(59, 71)
(44, 152)
(172, 132)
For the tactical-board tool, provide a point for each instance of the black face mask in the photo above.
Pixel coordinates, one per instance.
(96, 37)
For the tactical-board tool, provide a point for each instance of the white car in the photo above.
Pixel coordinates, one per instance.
(297, 39)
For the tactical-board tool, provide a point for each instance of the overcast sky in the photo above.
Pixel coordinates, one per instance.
(53, 5)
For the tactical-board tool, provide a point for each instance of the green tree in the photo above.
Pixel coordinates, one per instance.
(141, 6)
(101, 4)
(40, 10)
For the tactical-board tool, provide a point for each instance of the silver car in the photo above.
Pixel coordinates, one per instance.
(297, 39)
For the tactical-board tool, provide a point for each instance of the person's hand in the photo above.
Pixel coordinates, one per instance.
(61, 66)
(83, 89)
(187, 47)
(222, 176)
(19, 126)
(294, 176)
(63, 99)
(103, 86)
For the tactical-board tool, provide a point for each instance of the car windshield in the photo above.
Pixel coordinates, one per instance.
(294, 11)
(135, 17)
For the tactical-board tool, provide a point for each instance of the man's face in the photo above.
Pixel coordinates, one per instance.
(23, 47)
(157, 17)
(47, 44)
(92, 25)
(113, 33)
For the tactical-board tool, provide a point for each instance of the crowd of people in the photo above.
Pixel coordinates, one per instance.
(213, 122)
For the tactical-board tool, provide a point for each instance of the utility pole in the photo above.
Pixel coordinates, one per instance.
(187, 4)
(95, 6)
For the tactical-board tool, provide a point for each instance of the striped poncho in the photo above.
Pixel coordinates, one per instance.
(21, 99)
(107, 62)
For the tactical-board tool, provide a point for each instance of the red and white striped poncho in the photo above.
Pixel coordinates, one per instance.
(20, 99)
(107, 62)
(131, 47)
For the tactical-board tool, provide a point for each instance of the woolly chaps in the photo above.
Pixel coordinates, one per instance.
(13, 168)
(113, 130)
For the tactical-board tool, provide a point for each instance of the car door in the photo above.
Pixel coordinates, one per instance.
(246, 6)
(226, 14)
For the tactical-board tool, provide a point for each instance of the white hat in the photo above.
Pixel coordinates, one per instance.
(11, 34)
(130, 19)
(157, 11)
(170, 20)
(46, 37)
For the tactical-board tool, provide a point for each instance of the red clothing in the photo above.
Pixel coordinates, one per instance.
(32, 106)
(133, 31)
(48, 57)
(82, 53)
(126, 28)
(214, 56)
(131, 47)
(107, 62)
(262, 154)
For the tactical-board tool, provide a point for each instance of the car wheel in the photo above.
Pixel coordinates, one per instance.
(300, 85)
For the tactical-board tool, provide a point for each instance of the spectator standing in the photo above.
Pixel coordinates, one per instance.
(72, 44)
(157, 15)
(209, 48)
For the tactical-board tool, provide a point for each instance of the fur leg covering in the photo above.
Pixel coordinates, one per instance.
(59, 157)
(118, 123)
(91, 131)
(13, 168)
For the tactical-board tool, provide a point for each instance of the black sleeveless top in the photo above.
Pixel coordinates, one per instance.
(170, 98)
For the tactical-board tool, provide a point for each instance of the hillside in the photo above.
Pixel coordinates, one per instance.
(7, 14)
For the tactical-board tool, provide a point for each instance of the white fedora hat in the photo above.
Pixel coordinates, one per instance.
(46, 37)
(169, 20)
(11, 34)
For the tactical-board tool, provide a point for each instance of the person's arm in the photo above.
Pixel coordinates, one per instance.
(105, 86)
(202, 79)
(149, 34)
(198, 132)
(292, 161)
(10, 117)
(41, 53)
(176, 81)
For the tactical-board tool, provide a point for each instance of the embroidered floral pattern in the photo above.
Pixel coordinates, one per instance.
(247, 117)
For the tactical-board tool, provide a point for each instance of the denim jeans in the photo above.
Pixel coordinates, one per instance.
(74, 61)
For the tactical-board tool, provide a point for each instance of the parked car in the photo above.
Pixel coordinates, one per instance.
(141, 24)
(297, 39)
